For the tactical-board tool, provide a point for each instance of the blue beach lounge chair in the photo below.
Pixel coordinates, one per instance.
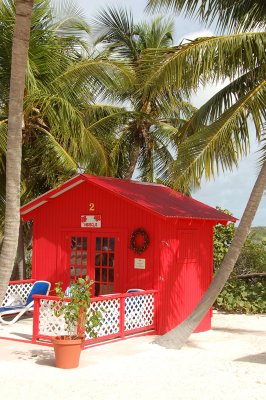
(39, 287)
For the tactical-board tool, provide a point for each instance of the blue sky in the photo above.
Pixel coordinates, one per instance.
(228, 190)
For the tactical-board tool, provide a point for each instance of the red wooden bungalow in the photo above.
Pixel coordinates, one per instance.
(89, 225)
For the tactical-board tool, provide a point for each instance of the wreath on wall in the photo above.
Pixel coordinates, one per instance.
(134, 240)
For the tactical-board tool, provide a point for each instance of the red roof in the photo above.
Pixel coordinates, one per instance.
(158, 199)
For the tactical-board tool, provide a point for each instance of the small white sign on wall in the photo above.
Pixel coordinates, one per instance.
(139, 263)
(91, 221)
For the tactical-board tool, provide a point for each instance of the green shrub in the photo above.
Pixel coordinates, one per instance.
(241, 295)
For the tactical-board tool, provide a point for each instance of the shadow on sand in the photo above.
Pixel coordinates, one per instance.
(40, 357)
(259, 358)
(240, 331)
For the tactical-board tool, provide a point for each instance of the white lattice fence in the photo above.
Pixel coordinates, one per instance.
(18, 292)
(49, 324)
(139, 311)
(110, 311)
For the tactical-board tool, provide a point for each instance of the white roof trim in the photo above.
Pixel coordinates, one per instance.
(53, 196)
(33, 207)
(66, 189)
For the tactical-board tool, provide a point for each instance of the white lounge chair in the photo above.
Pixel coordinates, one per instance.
(39, 287)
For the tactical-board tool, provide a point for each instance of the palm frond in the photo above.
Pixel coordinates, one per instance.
(223, 100)
(158, 34)
(221, 144)
(262, 158)
(115, 28)
(202, 60)
(69, 19)
(100, 76)
(236, 15)
(47, 144)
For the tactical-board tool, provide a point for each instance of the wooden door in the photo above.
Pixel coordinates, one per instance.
(103, 263)
(95, 255)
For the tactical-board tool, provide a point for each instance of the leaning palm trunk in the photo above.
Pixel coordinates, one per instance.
(14, 140)
(177, 337)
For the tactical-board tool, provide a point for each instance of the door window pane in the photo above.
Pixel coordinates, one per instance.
(112, 244)
(78, 257)
(98, 243)
(98, 259)
(105, 275)
(104, 259)
(97, 289)
(84, 243)
(97, 274)
(111, 259)
(104, 265)
(105, 243)
(111, 275)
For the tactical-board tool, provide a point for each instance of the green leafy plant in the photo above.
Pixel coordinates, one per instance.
(223, 236)
(239, 296)
(245, 290)
(78, 315)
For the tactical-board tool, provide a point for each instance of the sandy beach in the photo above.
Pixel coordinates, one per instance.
(228, 362)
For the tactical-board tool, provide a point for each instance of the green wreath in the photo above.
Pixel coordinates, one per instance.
(133, 242)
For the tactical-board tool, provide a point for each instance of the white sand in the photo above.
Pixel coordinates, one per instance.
(228, 362)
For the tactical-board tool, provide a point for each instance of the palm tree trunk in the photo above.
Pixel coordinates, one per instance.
(177, 337)
(14, 140)
(133, 162)
(19, 269)
(20, 259)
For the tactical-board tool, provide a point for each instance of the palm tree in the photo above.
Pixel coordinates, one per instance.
(217, 135)
(147, 129)
(62, 79)
(14, 139)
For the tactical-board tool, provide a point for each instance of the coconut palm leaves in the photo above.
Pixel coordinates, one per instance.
(231, 15)
(63, 79)
(217, 134)
(203, 60)
(146, 133)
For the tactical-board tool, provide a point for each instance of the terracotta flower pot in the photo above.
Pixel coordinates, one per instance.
(67, 352)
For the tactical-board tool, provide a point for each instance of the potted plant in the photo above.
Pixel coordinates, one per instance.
(79, 320)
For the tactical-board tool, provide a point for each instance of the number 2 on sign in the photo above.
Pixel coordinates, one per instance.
(92, 207)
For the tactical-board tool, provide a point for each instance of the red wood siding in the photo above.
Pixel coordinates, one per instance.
(185, 271)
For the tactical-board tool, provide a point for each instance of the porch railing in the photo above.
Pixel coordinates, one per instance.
(123, 314)
(18, 290)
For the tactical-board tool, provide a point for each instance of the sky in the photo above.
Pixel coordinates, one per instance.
(230, 190)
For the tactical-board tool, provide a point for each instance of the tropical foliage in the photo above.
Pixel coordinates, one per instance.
(244, 291)
(217, 135)
(258, 233)
(229, 15)
(63, 79)
(20, 47)
(241, 296)
(145, 135)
